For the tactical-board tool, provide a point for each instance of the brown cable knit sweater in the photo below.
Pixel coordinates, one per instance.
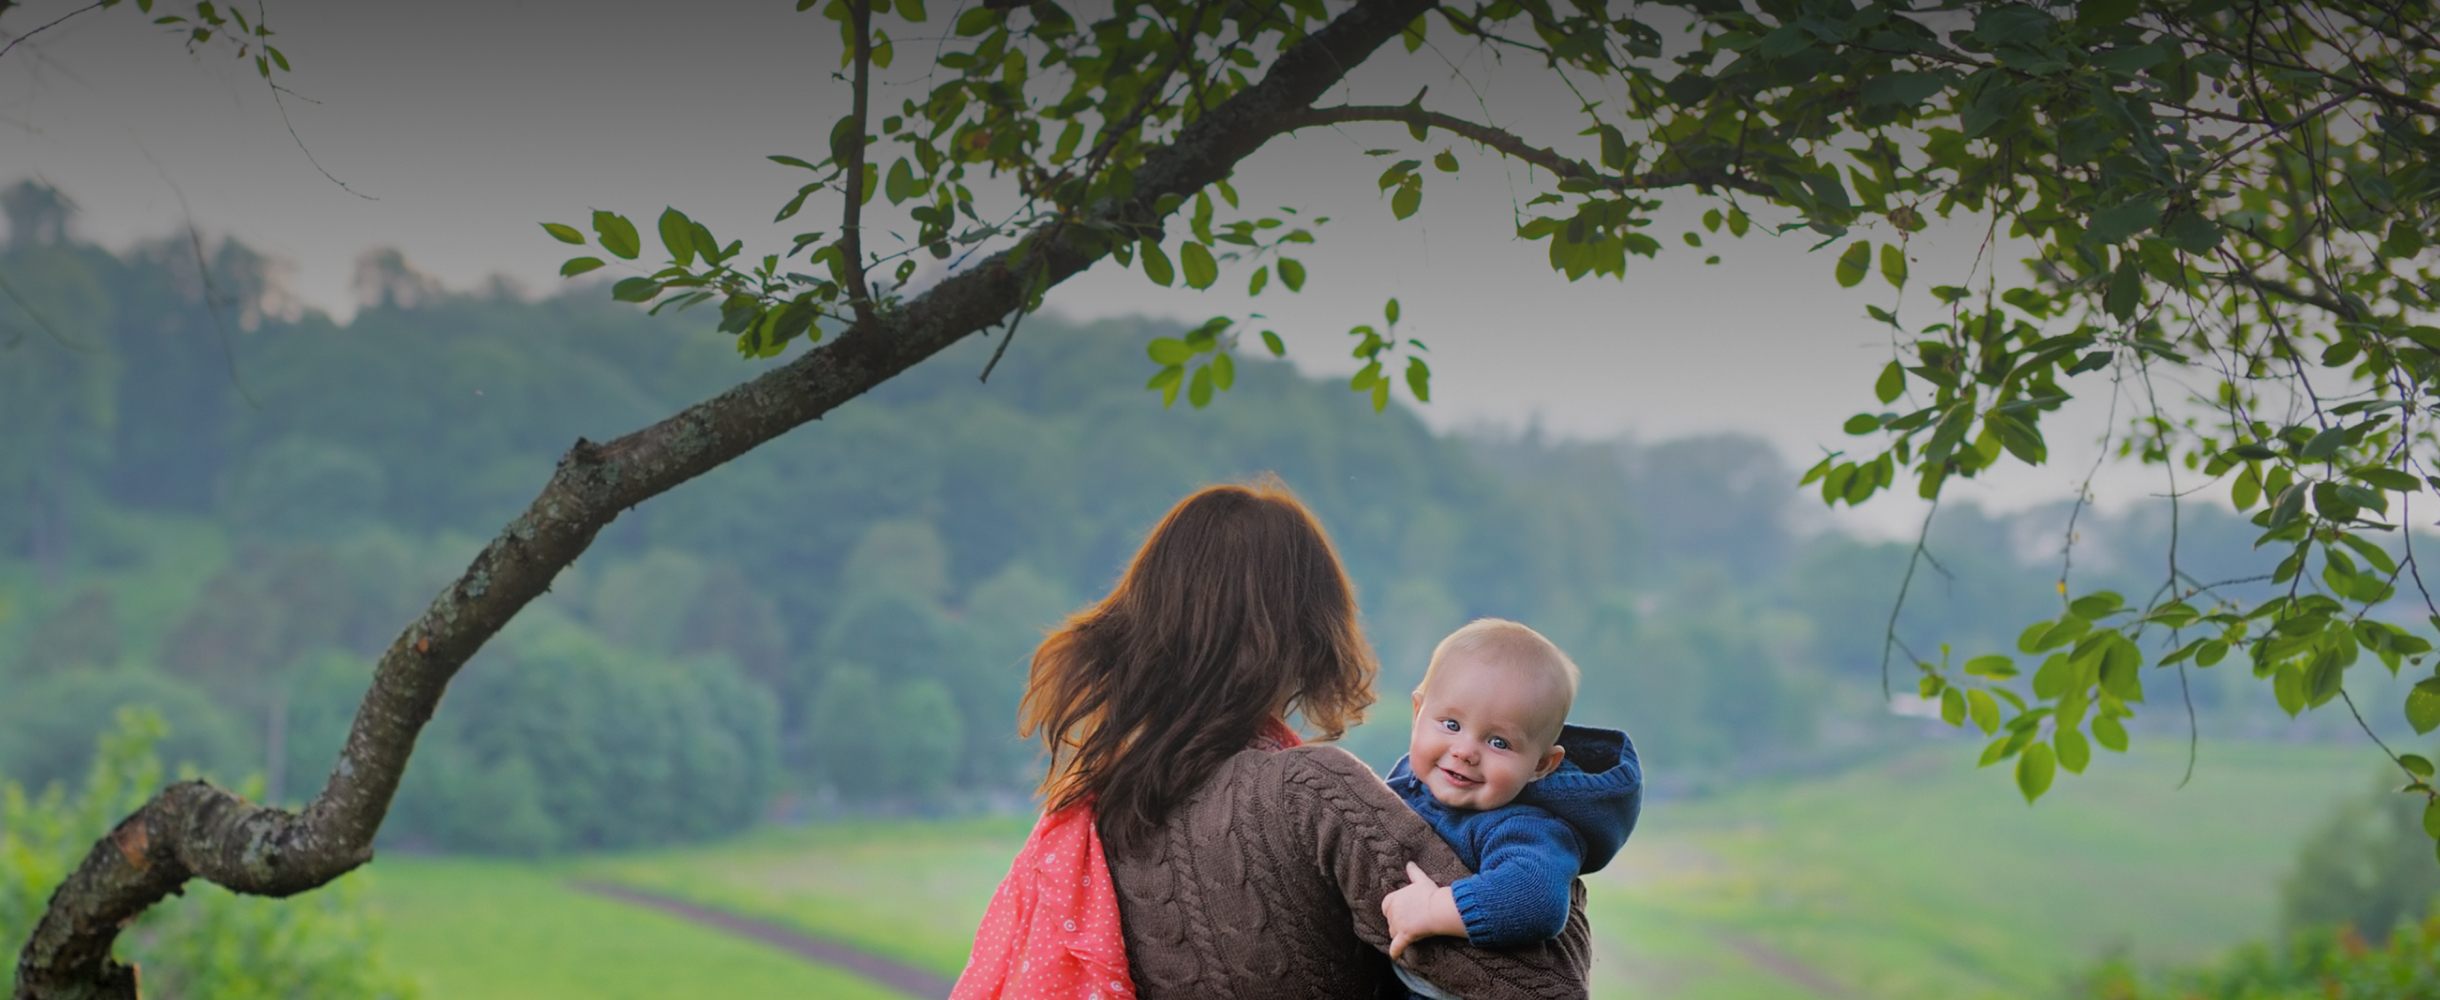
(1268, 883)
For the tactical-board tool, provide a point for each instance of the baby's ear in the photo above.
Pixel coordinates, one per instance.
(1549, 762)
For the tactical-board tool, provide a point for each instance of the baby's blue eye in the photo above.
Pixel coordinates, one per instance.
(1499, 743)
(1449, 724)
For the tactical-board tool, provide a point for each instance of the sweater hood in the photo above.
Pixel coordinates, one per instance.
(1598, 790)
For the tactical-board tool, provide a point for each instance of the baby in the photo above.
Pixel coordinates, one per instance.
(1527, 801)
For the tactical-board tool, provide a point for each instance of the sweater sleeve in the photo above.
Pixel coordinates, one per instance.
(1520, 895)
(1361, 836)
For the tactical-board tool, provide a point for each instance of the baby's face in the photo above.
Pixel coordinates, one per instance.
(1482, 731)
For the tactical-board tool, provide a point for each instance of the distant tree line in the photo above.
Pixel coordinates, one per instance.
(221, 507)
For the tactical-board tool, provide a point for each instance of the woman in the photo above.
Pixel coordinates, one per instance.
(1245, 866)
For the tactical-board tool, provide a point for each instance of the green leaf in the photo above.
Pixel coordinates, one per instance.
(1292, 274)
(2194, 233)
(1224, 371)
(678, 236)
(617, 235)
(578, 265)
(1891, 384)
(1419, 379)
(2121, 668)
(1365, 377)
(635, 290)
(1156, 262)
(1446, 163)
(564, 234)
(1994, 666)
(1167, 381)
(2388, 479)
(912, 10)
(2034, 770)
(2324, 444)
(2074, 751)
(2423, 705)
(1389, 311)
(2096, 604)
(2118, 223)
(975, 22)
(1853, 264)
(2417, 764)
(1952, 706)
(1985, 711)
(2055, 677)
(1613, 148)
(2110, 734)
(2103, 13)
(2288, 687)
(1905, 89)
(1201, 271)
(2431, 820)
(1407, 200)
(2246, 490)
(1199, 391)
(1272, 342)
(1168, 351)
(1862, 423)
(1259, 280)
(1997, 750)
(2069, 628)
(2290, 504)
(2125, 293)
(1893, 265)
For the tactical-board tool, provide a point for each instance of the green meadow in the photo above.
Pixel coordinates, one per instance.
(1914, 875)
(489, 930)
(1924, 877)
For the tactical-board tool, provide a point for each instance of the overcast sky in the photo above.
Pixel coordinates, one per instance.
(457, 126)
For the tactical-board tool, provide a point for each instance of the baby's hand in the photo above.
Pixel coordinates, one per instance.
(1421, 909)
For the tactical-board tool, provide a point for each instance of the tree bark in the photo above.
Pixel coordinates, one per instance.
(196, 830)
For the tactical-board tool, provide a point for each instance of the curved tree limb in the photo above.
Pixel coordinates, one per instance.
(196, 830)
(1509, 144)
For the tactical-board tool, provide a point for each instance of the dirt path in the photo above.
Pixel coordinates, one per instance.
(896, 975)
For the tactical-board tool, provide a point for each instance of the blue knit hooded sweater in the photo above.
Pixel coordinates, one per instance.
(1525, 853)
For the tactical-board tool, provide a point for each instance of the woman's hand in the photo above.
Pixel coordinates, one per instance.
(1420, 910)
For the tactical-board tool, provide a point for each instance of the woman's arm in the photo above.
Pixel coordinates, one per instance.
(1361, 837)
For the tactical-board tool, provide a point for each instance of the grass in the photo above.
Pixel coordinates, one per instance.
(1924, 877)
(478, 930)
(909, 890)
(1917, 876)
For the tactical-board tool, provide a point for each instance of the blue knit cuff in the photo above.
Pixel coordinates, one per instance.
(1480, 925)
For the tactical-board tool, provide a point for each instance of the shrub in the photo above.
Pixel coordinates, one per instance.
(210, 943)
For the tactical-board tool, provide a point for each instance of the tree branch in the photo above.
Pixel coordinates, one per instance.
(2242, 274)
(1509, 144)
(12, 43)
(851, 217)
(194, 829)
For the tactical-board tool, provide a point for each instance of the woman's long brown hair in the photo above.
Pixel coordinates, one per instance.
(1234, 612)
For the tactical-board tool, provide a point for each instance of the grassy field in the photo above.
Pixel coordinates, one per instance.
(474, 930)
(1914, 877)
(907, 890)
(1923, 877)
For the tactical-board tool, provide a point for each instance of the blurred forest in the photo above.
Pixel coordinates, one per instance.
(221, 506)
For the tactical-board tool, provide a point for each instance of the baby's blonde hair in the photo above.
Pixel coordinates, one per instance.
(1512, 644)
